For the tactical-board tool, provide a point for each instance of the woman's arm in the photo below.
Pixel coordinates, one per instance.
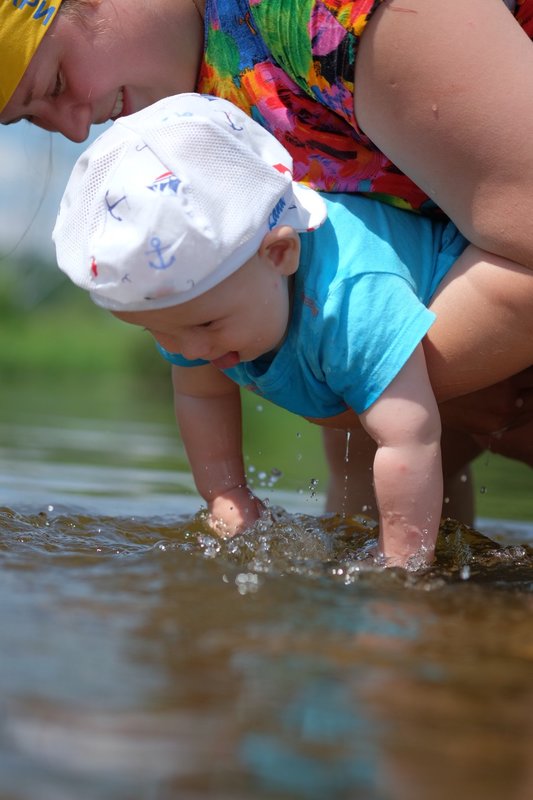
(405, 424)
(208, 412)
(442, 90)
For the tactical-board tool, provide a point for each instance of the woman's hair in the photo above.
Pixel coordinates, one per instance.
(75, 8)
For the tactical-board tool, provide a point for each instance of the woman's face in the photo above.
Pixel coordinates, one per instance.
(120, 58)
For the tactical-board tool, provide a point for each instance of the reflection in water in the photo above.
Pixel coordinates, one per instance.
(144, 658)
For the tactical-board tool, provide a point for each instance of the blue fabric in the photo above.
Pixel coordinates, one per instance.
(359, 308)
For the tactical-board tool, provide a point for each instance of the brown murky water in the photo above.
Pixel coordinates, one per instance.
(143, 659)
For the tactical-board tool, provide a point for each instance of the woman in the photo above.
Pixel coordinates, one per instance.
(413, 101)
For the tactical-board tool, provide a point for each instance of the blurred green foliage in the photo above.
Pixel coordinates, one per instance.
(49, 326)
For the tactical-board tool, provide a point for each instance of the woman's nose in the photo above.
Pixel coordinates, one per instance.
(71, 119)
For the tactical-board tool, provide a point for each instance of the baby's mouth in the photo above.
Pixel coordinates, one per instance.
(227, 361)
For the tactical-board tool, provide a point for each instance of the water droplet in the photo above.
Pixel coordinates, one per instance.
(346, 452)
(247, 582)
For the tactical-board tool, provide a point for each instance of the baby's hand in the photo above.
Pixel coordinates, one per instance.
(234, 511)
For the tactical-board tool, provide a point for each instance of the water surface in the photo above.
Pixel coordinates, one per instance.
(143, 658)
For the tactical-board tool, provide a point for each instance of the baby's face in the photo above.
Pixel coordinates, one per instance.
(240, 319)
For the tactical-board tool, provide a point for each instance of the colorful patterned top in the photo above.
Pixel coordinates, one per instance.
(290, 65)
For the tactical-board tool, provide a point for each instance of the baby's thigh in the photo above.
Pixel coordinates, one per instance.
(484, 327)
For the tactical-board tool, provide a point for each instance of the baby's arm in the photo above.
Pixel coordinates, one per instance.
(405, 424)
(208, 412)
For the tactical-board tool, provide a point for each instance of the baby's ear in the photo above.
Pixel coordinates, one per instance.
(282, 248)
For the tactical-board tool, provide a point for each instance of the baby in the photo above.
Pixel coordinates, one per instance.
(184, 219)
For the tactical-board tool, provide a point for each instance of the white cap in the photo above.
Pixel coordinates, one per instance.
(170, 201)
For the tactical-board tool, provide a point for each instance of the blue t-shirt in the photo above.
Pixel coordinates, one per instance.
(359, 308)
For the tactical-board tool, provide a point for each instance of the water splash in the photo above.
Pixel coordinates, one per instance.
(346, 476)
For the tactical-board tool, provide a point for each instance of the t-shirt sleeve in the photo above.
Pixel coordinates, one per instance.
(369, 334)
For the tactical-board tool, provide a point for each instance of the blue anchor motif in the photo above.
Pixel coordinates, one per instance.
(158, 250)
(232, 124)
(111, 206)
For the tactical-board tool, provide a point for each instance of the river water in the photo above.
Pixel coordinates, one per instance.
(144, 659)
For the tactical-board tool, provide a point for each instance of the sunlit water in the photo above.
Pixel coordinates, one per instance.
(144, 659)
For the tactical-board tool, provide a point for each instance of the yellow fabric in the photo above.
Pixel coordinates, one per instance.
(23, 23)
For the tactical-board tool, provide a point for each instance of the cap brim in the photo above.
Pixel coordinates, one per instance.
(305, 210)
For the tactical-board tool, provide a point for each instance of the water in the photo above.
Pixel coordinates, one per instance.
(144, 659)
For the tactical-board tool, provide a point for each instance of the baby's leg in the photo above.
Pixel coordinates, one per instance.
(350, 489)
(483, 333)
